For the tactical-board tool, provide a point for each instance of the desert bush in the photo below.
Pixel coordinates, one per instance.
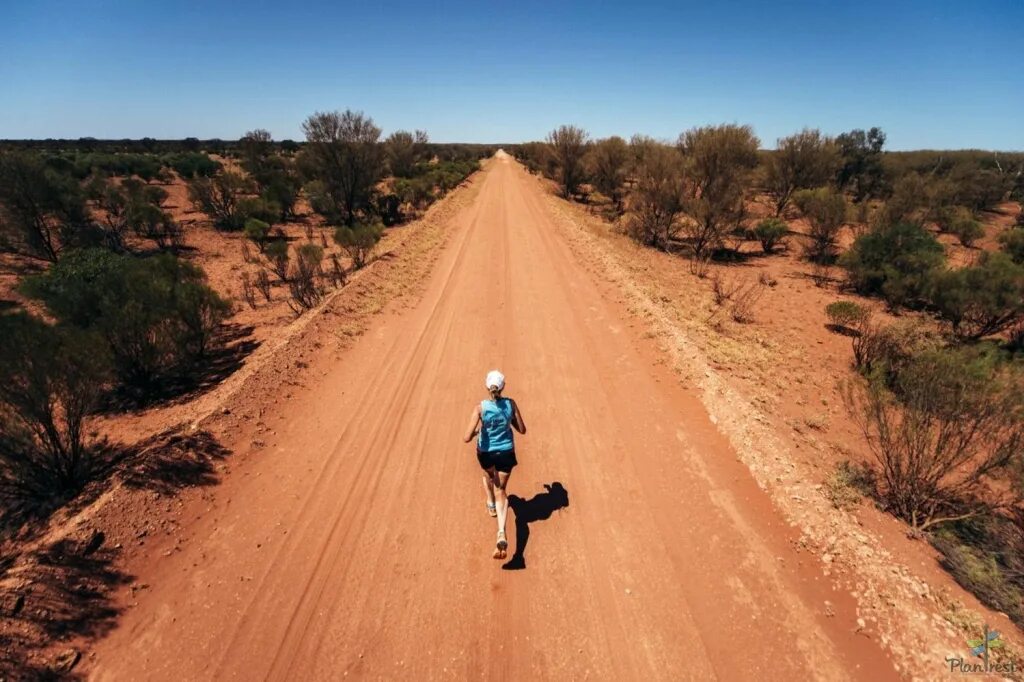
(191, 165)
(949, 421)
(826, 211)
(860, 169)
(978, 189)
(847, 315)
(248, 292)
(656, 201)
(770, 232)
(259, 208)
(718, 165)
(359, 241)
(722, 288)
(980, 300)
(277, 255)
(304, 283)
(40, 208)
(986, 556)
(263, 284)
(895, 261)
(883, 351)
(608, 163)
(336, 273)
(848, 484)
(155, 314)
(51, 378)
(568, 145)
(389, 208)
(281, 190)
(402, 151)
(219, 197)
(1012, 243)
(257, 232)
(966, 228)
(745, 299)
(907, 201)
(345, 157)
(801, 161)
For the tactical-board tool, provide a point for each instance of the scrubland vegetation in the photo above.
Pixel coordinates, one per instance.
(939, 394)
(112, 312)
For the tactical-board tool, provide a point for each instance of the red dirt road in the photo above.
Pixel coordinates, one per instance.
(356, 542)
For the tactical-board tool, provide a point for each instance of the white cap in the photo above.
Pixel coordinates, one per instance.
(495, 379)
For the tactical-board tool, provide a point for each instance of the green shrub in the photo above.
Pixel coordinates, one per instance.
(1012, 243)
(359, 241)
(986, 556)
(51, 378)
(883, 351)
(846, 315)
(194, 164)
(942, 429)
(257, 231)
(277, 253)
(258, 208)
(155, 314)
(826, 210)
(966, 228)
(770, 232)
(980, 300)
(219, 198)
(895, 261)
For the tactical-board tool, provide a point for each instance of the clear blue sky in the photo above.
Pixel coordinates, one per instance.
(936, 74)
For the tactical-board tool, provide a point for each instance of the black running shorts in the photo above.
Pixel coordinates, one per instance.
(502, 460)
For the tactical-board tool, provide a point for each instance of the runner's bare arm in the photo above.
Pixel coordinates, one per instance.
(474, 422)
(517, 418)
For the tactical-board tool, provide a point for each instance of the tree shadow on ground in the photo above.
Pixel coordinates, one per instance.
(64, 591)
(540, 507)
(229, 347)
(174, 460)
(61, 593)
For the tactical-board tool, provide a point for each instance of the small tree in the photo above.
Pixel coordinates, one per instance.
(657, 199)
(50, 380)
(896, 261)
(304, 283)
(718, 163)
(980, 300)
(966, 228)
(40, 208)
(1012, 243)
(400, 149)
(344, 154)
(770, 232)
(155, 314)
(359, 241)
(826, 211)
(219, 197)
(847, 316)
(258, 232)
(276, 253)
(860, 169)
(568, 145)
(949, 422)
(608, 161)
(801, 161)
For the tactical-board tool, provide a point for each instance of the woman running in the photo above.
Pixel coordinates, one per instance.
(494, 420)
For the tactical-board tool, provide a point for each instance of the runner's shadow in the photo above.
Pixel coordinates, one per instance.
(538, 508)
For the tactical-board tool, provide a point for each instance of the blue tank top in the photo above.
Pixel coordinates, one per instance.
(496, 431)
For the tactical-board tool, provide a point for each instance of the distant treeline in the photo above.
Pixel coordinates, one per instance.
(445, 151)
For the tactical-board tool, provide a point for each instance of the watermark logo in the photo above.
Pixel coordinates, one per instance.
(980, 648)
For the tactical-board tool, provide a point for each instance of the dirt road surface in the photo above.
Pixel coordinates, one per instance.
(356, 543)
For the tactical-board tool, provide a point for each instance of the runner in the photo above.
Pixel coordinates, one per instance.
(492, 421)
